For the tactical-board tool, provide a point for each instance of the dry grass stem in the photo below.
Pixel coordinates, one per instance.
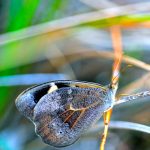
(85, 53)
(73, 21)
(62, 60)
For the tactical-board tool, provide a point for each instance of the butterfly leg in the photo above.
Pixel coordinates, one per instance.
(106, 116)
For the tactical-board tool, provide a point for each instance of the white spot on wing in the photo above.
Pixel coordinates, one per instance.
(69, 91)
(52, 88)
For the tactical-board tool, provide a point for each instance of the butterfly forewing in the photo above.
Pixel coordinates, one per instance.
(28, 99)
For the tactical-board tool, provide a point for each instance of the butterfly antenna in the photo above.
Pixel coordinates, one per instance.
(116, 75)
(132, 97)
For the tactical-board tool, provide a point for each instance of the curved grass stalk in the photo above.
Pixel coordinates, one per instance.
(88, 53)
(121, 125)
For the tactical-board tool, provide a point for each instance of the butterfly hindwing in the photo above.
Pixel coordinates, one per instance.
(69, 111)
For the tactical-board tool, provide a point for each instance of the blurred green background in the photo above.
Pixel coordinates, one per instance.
(49, 40)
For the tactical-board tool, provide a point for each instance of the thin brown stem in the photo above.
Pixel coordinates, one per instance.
(117, 44)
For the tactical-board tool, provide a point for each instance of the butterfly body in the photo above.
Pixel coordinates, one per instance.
(63, 110)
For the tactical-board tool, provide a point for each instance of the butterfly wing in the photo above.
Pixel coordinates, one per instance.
(63, 110)
(27, 100)
(63, 115)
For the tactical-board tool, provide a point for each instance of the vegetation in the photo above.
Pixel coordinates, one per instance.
(41, 41)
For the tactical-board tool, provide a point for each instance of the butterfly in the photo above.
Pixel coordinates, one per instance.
(63, 110)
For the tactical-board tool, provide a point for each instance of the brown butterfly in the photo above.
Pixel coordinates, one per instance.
(63, 110)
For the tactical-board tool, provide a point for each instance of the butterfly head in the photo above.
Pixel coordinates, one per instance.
(112, 89)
